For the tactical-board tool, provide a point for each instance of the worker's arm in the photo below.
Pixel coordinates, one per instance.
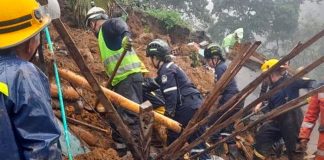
(32, 116)
(310, 118)
(219, 71)
(169, 89)
(114, 31)
(304, 84)
(121, 27)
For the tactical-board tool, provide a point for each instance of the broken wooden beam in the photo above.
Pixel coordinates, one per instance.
(118, 99)
(296, 103)
(113, 115)
(68, 92)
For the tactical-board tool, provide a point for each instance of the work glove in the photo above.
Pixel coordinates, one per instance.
(127, 43)
(170, 113)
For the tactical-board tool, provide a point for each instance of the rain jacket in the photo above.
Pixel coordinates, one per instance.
(27, 126)
(315, 110)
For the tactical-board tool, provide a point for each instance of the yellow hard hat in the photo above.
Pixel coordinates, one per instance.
(20, 20)
(268, 64)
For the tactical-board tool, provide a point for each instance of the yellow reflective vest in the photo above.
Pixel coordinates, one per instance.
(130, 64)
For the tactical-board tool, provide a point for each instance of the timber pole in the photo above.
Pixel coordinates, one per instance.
(113, 115)
(296, 103)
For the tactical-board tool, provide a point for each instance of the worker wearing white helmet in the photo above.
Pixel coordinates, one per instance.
(114, 38)
(233, 38)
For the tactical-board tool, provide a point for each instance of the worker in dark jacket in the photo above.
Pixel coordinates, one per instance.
(182, 99)
(27, 126)
(114, 38)
(215, 58)
(285, 126)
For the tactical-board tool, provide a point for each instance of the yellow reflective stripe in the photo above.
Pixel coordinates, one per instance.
(4, 88)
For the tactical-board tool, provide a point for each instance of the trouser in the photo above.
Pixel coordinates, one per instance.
(320, 147)
(183, 115)
(130, 88)
(285, 126)
(230, 128)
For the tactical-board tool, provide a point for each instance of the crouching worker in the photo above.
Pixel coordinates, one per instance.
(287, 125)
(182, 99)
(27, 126)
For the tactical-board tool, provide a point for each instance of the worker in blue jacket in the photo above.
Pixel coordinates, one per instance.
(215, 58)
(182, 99)
(27, 126)
(287, 125)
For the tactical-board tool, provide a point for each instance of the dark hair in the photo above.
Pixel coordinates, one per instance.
(7, 50)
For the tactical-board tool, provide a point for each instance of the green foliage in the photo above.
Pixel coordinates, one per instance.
(170, 18)
(81, 7)
(146, 29)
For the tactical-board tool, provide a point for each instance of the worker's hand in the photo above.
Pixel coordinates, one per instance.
(127, 43)
(170, 114)
(257, 108)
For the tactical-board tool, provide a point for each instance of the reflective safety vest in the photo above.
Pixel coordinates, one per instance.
(130, 64)
(4, 89)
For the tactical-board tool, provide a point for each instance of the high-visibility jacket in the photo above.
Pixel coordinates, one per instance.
(130, 64)
(229, 41)
(315, 111)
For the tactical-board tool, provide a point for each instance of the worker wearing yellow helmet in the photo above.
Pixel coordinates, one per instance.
(27, 126)
(284, 127)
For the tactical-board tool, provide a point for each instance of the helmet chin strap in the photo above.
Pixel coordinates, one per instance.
(217, 61)
(157, 66)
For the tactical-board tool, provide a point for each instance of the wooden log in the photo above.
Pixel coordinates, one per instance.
(248, 89)
(68, 92)
(118, 99)
(296, 103)
(113, 115)
(85, 135)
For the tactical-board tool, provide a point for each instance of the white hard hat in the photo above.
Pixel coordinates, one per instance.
(239, 32)
(95, 13)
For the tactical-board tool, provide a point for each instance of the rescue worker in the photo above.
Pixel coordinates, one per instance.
(285, 126)
(265, 85)
(231, 39)
(215, 58)
(182, 99)
(314, 111)
(114, 37)
(28, 129)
